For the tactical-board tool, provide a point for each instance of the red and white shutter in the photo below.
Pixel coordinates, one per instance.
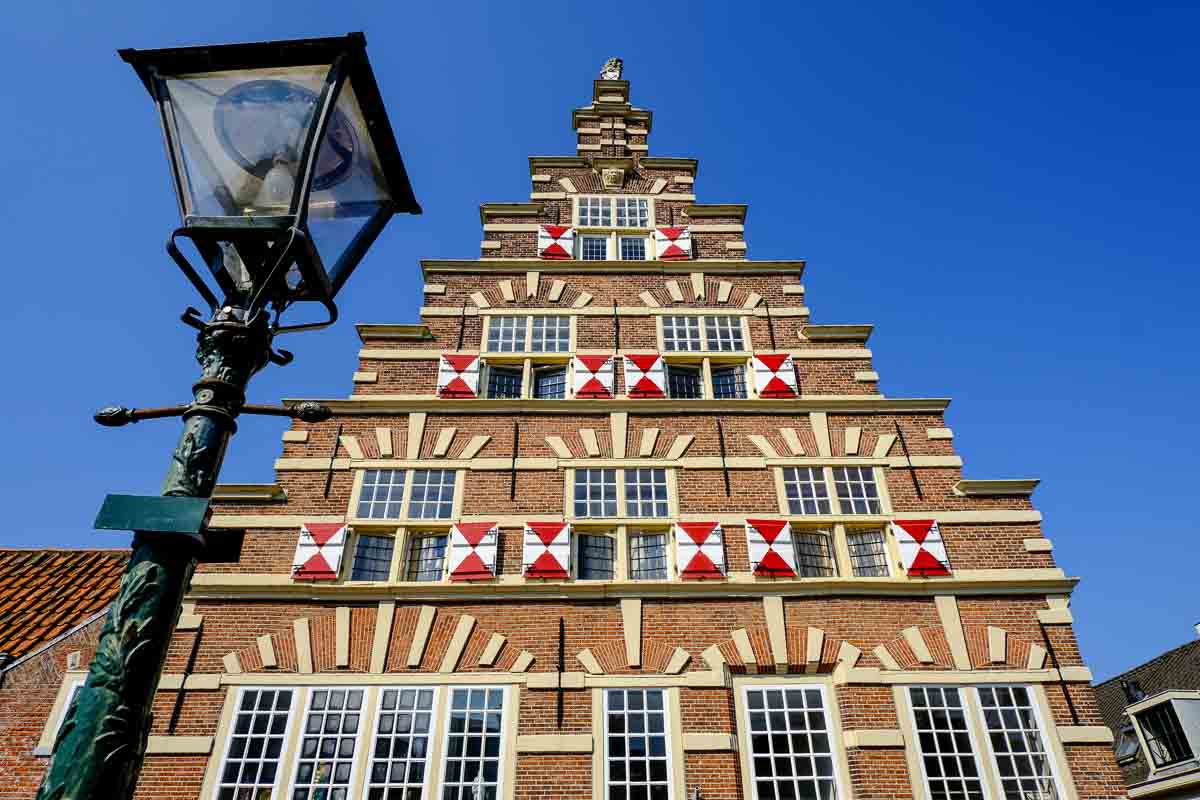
(458, 376)
(672, 244)
(770, 544)
(774, 375)
(319, 551)
(922, 552)
(547, 550)
(472, 553)
(645, 376)
(700, 550)
(593, 377)
(556, 242)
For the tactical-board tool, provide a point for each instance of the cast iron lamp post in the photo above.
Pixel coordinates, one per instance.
(286, 170)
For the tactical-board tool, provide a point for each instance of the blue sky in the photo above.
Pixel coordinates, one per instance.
(1007, 193)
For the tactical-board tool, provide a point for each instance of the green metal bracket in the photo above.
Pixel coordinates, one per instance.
(127, 512)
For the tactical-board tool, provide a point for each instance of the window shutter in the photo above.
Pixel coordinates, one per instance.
(645, 376)
(319, 551)
(458, 376)
(771, 551)
(593, 377)
(700, 550)
(922, 551)
(472, 553)
(547, 550)
(774, 375)
(556, 242)
(673, 244)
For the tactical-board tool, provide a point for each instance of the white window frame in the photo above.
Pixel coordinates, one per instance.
(647, 249)
(287, 760)
(670, 712)
(377, 526)
(508, 713)
(293, 734)
(605, 239)
(518, 328)
(829, 699)
(610, 201)
(360, 484)
(296, 734)
(672, 495)
(703, 322)
(735, 324)
(527, 321)
(819, 479)
(985, 756)
(874, 475)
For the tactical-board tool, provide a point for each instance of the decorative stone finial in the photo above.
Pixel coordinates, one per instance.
(611, 71)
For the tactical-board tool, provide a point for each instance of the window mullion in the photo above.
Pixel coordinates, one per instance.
(985, 759)
(835, 501)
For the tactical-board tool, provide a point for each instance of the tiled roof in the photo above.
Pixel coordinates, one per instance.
(1175, 669)
(45, 593)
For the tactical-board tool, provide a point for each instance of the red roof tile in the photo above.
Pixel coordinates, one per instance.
(44, 593)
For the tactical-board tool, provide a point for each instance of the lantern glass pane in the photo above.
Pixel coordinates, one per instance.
(240, 137)
(349, 188)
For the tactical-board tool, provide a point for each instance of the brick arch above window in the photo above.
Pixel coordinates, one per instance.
(383, 639)
(925, 647)
(533, 290)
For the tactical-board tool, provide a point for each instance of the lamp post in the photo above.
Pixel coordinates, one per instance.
(286, 170)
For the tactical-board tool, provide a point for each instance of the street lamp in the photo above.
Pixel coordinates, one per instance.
(285, 170)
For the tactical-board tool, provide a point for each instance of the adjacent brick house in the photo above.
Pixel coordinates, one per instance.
(1153, 711)
(52, 604)
(616, 520)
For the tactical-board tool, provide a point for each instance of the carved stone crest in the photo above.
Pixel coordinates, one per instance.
(613, 177)
(611, 71)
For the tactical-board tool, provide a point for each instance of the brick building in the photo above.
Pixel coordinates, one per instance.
(1153, 711)
(616, 520)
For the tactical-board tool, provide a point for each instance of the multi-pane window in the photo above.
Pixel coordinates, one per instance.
(856, 490)
(432, 494)
(372, 558)
(648, 556)
(681, 333)
(256, 738)
(400, 753)
(595, 211)
(1018, 747)
(550, 383)
(633, 212)
(729, 383)
(504, 382)
(426, 557)
(327, 747)
(944, 741)
(593, 248)
(596, 557)
(791, 751)
(723, 333)
(506, 334)
(542, 334)
(595, 492)
(382, 494)
(646, 493)
(636, 760)
(868, 553)
(814, 554)
(806, 490)
(684, 383)
(1164, 736)
(551, 334)
(332, 749)
(472, 758)
(633, 248)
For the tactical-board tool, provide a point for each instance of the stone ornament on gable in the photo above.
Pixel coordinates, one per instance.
(611, 71)
(613, 177)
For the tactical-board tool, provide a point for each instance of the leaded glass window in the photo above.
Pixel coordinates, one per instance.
(648, 557)
(550, 383)
(646, 493)
(400, 752)
(729, 383)
(596, 557)
(684, 383)
(594, 248)
(504, 383)
(426, 557)
(633, 248)
(372, 558)
(868, 554)
(382, 494)
(814, 554)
